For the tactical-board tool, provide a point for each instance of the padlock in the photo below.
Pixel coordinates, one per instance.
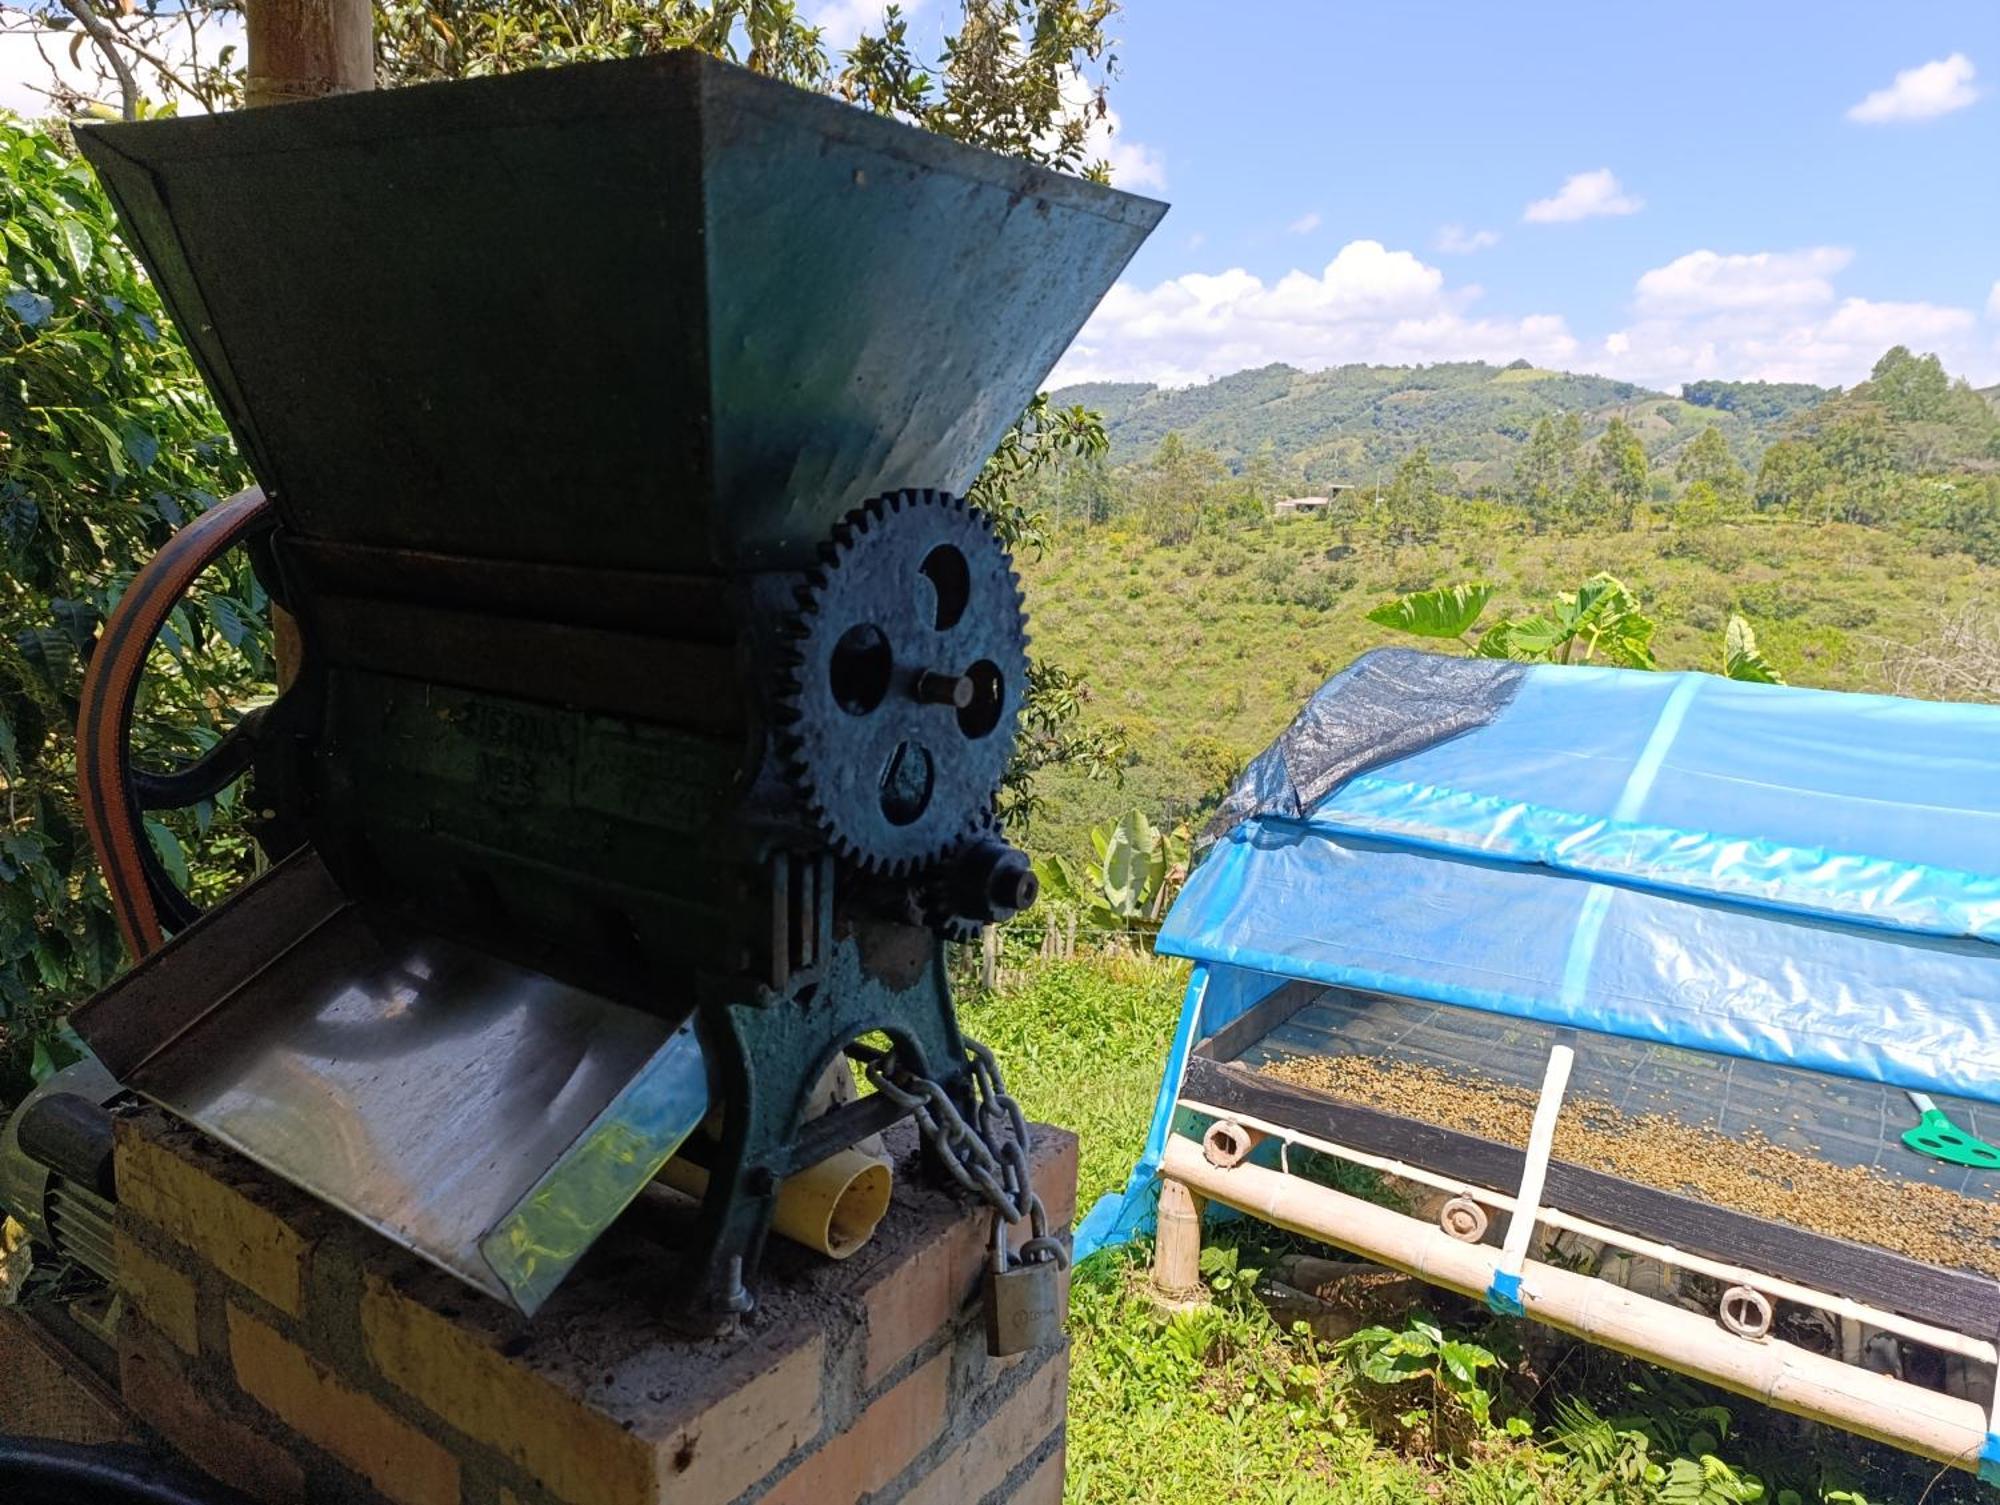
(1026, 1300)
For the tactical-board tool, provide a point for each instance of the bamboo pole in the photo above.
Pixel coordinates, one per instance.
(1177, 1246)
(1779, 1374)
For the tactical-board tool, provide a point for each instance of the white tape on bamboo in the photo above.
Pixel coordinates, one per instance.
(1775, 1372)
(1980, 1350)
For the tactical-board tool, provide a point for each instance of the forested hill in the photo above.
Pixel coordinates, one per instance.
(1351, 422)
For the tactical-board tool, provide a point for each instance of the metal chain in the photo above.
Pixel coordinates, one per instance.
(989, 1160)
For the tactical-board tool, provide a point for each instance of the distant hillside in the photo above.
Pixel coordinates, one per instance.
(1354, 422)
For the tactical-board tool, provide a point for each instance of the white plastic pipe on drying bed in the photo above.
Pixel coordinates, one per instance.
(1806, 1384)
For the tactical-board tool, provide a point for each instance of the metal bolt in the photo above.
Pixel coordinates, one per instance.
(1013, 889)
(954, 690)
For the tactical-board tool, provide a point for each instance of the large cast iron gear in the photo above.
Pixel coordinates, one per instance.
(907, 669)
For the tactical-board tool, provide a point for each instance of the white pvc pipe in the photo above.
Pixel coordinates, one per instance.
(1979, 1350)
(1937, 1426)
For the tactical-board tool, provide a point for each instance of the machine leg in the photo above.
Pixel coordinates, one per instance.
(1177, 1248)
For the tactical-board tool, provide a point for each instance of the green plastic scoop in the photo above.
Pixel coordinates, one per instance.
(1938, 1137)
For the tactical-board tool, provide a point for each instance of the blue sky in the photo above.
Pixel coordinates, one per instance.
(1765, 188)
(1740, 211)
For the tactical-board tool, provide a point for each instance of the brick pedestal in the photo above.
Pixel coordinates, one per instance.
(296, 1356)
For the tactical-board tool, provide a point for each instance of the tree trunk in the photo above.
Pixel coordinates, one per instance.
(305, 49)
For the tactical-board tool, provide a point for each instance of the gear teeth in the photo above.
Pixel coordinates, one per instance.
(830, 593)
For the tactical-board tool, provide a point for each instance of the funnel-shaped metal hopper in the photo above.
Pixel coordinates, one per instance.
(662, 313)
(650, 320)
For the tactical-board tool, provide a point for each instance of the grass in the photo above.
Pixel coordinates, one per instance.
(1219, 1405)
(1203, 651)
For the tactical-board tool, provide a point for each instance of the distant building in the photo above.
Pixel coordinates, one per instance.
(1292, 504)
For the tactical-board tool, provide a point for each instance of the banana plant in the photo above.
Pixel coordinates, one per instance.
(1138, 868)
(1741, 658)
(1600, 622)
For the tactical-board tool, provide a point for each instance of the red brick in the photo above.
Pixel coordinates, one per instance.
(882, 1442)
(907, 1303)
(708, 1447)
(910, 1302)
(1015, 1431)
(168, 1400)
(391, 1454)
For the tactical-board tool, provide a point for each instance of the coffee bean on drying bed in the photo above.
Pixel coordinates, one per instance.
(1748, 1172)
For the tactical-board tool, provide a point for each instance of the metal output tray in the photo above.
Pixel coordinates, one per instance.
(1852, 1122)
(485, 1116)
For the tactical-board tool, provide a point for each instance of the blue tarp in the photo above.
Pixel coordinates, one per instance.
(1795, 876)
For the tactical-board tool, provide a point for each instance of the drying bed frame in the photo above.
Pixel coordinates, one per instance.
(1759, 1261)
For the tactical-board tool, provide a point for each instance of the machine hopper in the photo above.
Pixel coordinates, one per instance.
(560, 387)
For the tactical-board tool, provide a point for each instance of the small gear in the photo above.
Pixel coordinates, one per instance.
(985, 881)
(907, 667)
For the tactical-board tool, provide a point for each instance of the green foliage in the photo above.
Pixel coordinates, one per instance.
(1137, 870)
(1621, 466)
(1708, 462)
(1760, 401)
(1355, 424)
(1449, 611)
(108, 443)
(1200, 659)
(1878, 453)
(418, 41)
(1175, 489)
(1055, 733)
(1599, 619)
(1453, 1369)
(1003, 83)
(1546, 470)
(1740, 658)
(1415, 500)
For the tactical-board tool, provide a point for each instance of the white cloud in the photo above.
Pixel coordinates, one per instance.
(1456, 240)
(1703, 281)
(1764, 315)
(1993, 302)
(1134, 166)
(1369, 304)
(1197, 240)
(1774, 316)
(1922, 93)
(1584, 195)
(1305, 224)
